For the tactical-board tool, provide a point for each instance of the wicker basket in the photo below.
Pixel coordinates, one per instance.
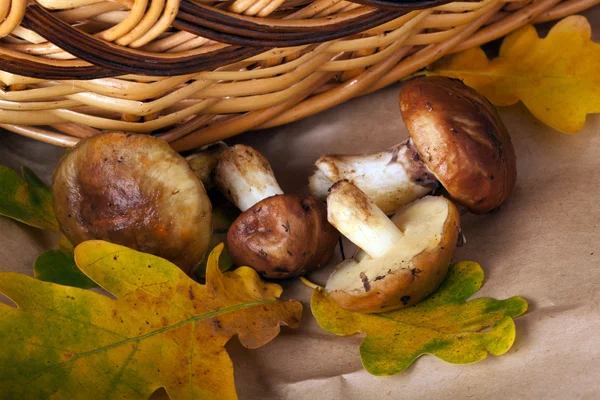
(196, 71)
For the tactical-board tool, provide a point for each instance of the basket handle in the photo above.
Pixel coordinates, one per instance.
(243, 37)
(401, 5)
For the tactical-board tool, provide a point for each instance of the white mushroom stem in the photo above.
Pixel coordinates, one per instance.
(392, 178)
(351, 212)
(245, 177)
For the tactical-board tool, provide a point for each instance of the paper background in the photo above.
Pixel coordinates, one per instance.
(543, 245)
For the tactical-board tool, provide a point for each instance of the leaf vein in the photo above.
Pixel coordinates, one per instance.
(158, 331)
(191, 360)
(53, 311)
(437, 329)
(117, 377)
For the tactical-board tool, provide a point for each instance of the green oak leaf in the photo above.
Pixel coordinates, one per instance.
(444, 324)
(27, 200)
(58, 266)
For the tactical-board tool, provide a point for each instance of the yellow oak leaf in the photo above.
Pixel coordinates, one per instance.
(557, 78)
(444, 324)
(162, 330)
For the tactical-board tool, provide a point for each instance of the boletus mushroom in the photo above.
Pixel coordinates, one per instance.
(279, 235)
(457, 140)
(401, 260)
(133, 190)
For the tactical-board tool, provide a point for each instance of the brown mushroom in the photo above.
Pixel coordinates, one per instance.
(279, 235)
(457, 140)
(136, 191)
(401, 260)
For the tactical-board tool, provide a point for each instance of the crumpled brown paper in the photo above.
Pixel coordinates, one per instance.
(544, 245)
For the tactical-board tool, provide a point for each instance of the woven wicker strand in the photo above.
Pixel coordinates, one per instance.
(262, 88)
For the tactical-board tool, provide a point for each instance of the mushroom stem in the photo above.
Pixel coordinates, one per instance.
(204, 161)
(351, 212)
(392, 178)
(245, 176)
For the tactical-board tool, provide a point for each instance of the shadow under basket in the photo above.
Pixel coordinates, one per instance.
(197, 71)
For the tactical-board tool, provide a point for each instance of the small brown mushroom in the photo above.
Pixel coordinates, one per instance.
(136, 191)
(457, 140)
(279, 235)
(401, 260)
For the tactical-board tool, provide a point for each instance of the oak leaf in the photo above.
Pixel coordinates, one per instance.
(162, 330)
(443, 324)
(223, 215)
(58, 266)
(557, 78)
(26, 199)
(29, 200)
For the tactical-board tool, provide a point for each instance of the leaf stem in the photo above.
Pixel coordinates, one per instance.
(310, 284)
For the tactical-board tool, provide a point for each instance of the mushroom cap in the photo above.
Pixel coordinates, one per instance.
(461, 138)
(133, 190)
(413, 270)
(283, 236)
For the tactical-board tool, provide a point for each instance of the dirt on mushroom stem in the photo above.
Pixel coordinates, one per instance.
(391, 178)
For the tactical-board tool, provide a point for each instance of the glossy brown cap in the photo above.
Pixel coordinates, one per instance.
(133, 190)
(283, 236)
(461, 138)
